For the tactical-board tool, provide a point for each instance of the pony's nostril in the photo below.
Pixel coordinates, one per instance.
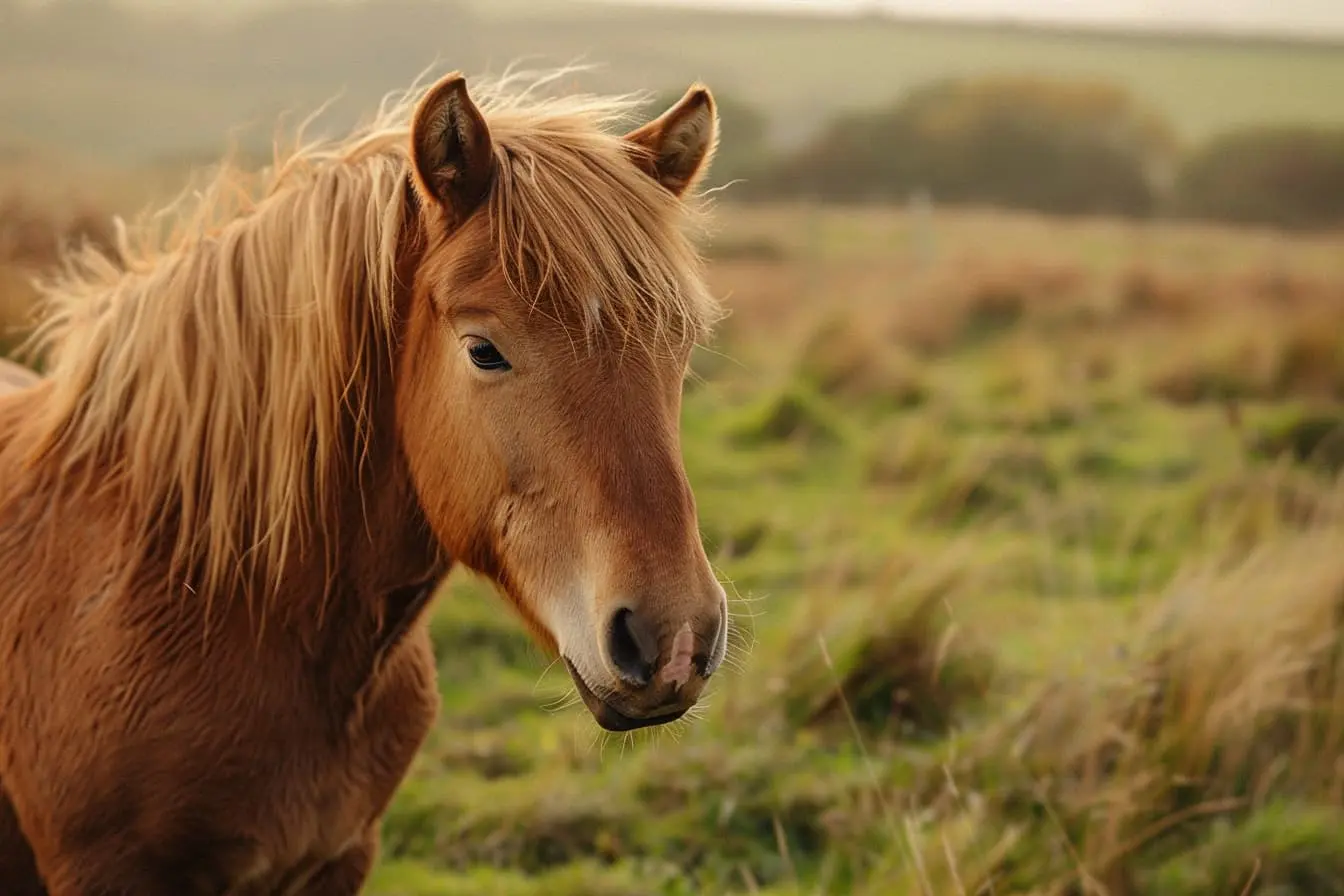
(707, 663)
(633, 653)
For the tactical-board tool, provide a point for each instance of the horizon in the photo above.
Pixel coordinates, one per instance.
(1249, 18)
(1239, 18)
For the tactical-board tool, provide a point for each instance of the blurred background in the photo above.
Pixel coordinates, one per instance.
(1020, 449)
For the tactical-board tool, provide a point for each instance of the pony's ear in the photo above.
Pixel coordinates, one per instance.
(451, 146)
(677, 146)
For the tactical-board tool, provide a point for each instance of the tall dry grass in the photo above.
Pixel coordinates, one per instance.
(1227, 703)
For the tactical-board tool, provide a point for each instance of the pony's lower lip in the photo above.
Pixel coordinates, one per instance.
(607, 716)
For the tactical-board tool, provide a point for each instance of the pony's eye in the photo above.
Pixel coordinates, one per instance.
(486, 357)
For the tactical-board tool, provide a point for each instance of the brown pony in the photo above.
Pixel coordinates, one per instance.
(456, 337)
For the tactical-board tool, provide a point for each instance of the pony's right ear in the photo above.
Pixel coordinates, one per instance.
(453, 153)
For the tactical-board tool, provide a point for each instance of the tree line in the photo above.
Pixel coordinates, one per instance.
(1031, 143)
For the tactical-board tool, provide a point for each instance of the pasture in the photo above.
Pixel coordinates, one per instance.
(1031, 529)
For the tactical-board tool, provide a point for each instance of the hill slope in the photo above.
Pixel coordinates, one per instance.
(139, 85)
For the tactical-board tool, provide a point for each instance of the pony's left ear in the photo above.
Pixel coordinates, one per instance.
(677, 147)
(454, 155)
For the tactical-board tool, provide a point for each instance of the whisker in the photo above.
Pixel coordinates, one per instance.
(603, 737)
(735, 665)
(564, 702)
(540, 678)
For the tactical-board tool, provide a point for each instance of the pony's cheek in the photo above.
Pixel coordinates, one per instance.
(455, 482)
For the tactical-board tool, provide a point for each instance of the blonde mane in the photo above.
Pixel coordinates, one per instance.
(214, 374)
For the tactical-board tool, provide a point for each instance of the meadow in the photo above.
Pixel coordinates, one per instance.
(1032, 528)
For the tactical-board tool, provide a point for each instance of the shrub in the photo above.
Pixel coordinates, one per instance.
(1283, 176)
(1013, 141)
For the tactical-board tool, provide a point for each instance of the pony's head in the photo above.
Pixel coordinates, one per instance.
(553, 308)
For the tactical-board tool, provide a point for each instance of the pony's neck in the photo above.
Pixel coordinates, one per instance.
(189, 481)
(347, 616)
(376, 544)
(377, 541)
(225, 387)
(228, 411)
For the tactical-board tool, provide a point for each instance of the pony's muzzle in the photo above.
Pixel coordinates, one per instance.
(611, 718)
(632, 648)
(638, 660)
(653, 680)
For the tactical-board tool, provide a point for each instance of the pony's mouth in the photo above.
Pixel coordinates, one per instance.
(608, 716)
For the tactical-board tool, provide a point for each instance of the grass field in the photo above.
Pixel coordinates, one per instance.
(1034, 532)
(129, 90)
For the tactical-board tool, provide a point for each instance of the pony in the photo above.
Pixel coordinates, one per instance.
(266, 433)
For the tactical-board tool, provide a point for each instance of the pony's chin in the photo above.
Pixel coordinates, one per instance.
(609, 717)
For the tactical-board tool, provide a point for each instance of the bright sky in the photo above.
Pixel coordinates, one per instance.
(1297, 16)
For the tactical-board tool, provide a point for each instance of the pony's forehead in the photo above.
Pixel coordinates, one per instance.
(582, 233)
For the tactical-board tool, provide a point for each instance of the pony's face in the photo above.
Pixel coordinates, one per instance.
(547, 463)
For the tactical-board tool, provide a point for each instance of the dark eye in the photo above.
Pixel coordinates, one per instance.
(485, 356)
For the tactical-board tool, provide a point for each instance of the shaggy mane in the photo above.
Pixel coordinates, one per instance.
(215, 371)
